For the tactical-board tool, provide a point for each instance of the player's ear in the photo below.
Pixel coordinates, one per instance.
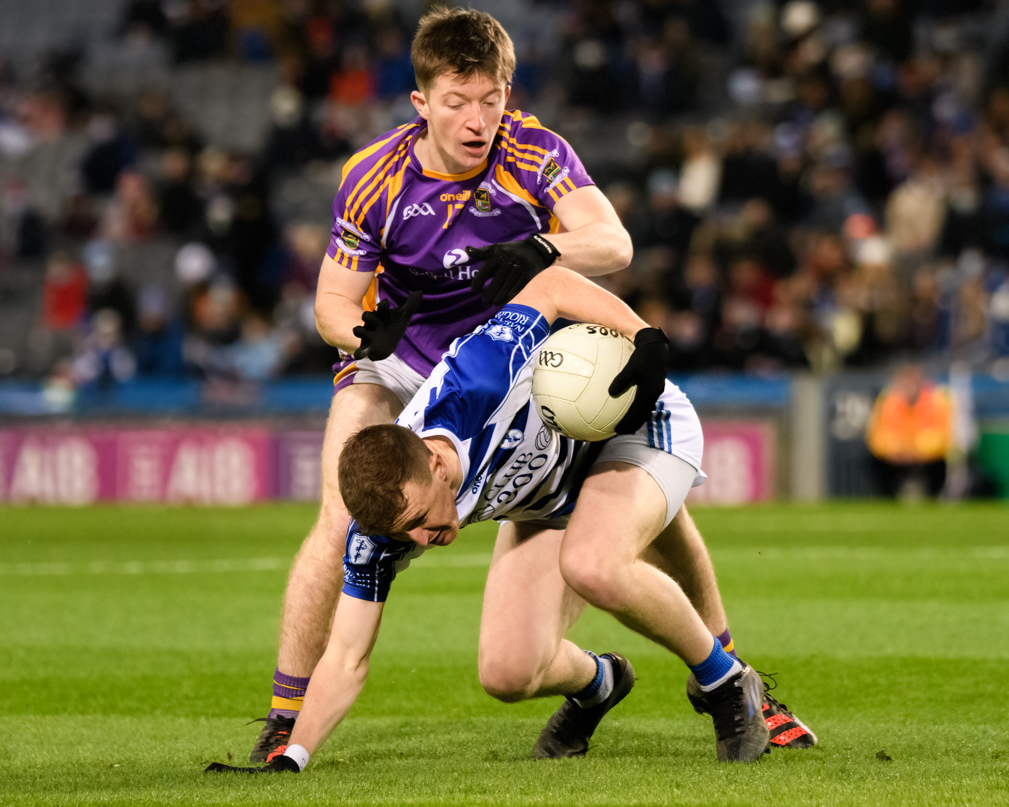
(508, 92)
(419, 101)
(438, 466)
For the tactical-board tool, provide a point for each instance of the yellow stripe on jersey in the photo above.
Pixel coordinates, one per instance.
(537, 150)
(514, 157)
(365, 153)
(374, 189)
(512, 185)
(394, 187)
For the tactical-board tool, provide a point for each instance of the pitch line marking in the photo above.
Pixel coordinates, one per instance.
(221, 566)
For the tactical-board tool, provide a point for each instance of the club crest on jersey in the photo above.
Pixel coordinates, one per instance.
(551, 171)
(361, 549)
(482, 203)
(501, 333)
(512, 439)
(350, 239)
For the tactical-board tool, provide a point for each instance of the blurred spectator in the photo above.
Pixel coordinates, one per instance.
(64, 293)
(107, 290)
(104, 360)
(909, 434)
(132, 214)
(23, 231)
(180, 208)
(161, 335)
(143, 19)
(112, 152)
(260, 354)
(199, 30)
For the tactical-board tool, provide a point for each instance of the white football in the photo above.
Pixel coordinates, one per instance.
(571, 381)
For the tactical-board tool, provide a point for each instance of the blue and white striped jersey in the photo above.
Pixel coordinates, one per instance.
(514, 467)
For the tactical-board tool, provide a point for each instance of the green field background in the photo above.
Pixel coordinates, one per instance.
(137, 642)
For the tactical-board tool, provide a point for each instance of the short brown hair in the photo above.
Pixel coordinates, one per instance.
(374, 465)
(464, 42)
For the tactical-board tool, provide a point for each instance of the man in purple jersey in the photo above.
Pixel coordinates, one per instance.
(463, 196)
(437, 224)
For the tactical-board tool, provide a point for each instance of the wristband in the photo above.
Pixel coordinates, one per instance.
(548, 251)
(299, 754)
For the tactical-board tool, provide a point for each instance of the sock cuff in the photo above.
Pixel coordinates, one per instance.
(716, 668)
(725, 640)
(286, 683)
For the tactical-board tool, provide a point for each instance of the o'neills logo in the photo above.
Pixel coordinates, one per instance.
(481, 197)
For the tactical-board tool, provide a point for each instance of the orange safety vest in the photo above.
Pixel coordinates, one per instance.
(903, 432)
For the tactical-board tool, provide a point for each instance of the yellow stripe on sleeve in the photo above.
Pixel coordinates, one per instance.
(365, 153)
(512, 185)
(367, 197)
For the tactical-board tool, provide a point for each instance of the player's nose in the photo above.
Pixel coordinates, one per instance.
(421, 536)
(475, 120)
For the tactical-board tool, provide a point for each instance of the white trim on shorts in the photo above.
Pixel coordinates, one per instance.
(668, 447)
(392, 373)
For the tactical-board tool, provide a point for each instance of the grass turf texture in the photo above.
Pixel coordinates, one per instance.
(138, 641)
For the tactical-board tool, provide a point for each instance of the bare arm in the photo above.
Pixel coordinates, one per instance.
(559, 292)
(338, 303)
(341, 672)
(594, 242)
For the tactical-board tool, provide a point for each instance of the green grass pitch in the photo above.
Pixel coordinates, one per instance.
(137, 642)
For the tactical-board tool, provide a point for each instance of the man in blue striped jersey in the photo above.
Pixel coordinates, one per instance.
(576, 517)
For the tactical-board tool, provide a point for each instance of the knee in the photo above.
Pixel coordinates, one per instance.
(506, 680)
(593, 577)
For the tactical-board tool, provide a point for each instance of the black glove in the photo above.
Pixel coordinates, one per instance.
(510, 266)
(384, 327)
(279, 764)
(646, 368)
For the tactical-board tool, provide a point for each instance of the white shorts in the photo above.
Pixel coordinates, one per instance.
(392, 373)
(668, 447)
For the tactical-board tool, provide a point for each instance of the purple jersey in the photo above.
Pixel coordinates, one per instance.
(412, 226)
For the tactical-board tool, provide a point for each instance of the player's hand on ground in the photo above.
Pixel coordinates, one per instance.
(646, 369)
(384, 327)
(279, 764)
(510, 266)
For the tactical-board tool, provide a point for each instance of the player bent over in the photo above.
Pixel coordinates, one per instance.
(577, 517)
(464, 196)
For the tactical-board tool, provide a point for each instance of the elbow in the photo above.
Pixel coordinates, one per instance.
(621, 250)
(624, 251)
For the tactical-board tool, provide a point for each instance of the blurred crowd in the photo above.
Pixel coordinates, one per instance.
(809, 185)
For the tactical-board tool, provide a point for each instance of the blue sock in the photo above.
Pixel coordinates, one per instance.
(600, 687)
(716, 668)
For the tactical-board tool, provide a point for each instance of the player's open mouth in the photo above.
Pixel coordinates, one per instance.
(475, 147)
